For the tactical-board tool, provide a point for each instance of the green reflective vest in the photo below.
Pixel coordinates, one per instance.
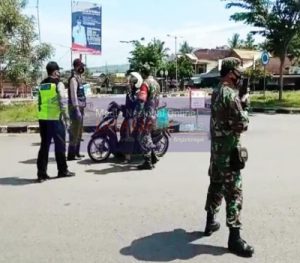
(49, 108)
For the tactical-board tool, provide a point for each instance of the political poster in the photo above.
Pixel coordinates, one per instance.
(86, 28)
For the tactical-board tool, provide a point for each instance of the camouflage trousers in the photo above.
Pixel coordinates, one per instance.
(232, 192)
(144, 138)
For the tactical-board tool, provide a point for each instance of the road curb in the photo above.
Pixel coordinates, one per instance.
(174, 128)
(17, 129)
(275, 111)
(3, 129)
(33, 129)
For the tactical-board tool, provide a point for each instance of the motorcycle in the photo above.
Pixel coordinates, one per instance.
(105, 140)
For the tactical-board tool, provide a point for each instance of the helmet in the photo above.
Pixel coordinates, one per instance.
(136, 79)
(231, 64)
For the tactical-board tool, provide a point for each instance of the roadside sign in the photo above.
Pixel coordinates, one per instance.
(197, 99)
(265, 58)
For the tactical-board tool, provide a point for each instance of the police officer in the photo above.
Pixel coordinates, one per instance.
(228, 121)
(51, 113)
(148, 98)
(77, 103)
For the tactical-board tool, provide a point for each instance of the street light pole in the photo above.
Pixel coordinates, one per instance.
(176, 61)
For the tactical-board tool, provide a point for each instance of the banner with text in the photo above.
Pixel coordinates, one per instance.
(86, 28)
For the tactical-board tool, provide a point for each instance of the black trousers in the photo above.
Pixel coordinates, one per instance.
(52, 130)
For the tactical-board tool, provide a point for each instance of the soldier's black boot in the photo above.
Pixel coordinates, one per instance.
(146, 165)
(154, 158)
(211, 224)
(237, 245)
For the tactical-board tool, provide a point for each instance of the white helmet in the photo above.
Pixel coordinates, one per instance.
(136, 79)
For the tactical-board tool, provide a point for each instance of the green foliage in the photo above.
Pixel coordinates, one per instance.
(153, 54)
(171, 67)
(18, 113)
(257, 73)
(23, 57)
(277, 20)
(291, 99)
(185, 67)
(185, 48)
(237, 43)
(249, 43)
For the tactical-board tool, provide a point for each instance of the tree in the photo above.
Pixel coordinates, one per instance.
(249, 43)
(294, 50)
(235, 41)
(257, 74)
(185, 48)
(153, 53)
(185, 67)
(277, 20)
(22, 56)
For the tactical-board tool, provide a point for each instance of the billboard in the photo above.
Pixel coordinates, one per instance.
(86, 28)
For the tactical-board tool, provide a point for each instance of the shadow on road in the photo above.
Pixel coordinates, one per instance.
(15, 181)
(169, 246)
(90, 162)
(36, 144)
(33, 161)
(114, 169)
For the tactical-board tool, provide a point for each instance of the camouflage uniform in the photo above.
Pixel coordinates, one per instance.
(228, 121)
(146, 113)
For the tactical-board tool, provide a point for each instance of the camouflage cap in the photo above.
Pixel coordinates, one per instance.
(231, 63)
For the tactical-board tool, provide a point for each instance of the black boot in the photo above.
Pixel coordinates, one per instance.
(73, 158)
(237, 245)
(154, 158)
(67, 173)
(147, 165)
(211, 224)
(43, 177)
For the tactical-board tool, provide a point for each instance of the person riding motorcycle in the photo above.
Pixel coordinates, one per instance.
(127, 141)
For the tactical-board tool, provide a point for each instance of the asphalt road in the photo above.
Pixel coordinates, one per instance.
(113, 213)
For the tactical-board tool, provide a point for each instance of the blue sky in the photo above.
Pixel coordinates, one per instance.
(202, 23)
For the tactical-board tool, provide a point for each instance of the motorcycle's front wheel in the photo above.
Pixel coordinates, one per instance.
(162, 146)
(99, 149)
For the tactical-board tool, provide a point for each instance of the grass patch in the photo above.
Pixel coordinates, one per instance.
(291, 99)
(25, 112)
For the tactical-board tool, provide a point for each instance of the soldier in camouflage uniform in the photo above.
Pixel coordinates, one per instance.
(229, 118)
(148, 98)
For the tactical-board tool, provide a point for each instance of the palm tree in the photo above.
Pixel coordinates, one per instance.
(235, 41)
(185, 48)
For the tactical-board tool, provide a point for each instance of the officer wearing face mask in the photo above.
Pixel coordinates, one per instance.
(229, 119)
(77, 103)
(52, 114)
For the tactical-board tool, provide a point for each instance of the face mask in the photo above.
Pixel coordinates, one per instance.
(57, 74)
(81, 70)
(237, 80)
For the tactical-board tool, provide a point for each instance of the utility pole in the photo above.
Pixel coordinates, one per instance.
(38, 19)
